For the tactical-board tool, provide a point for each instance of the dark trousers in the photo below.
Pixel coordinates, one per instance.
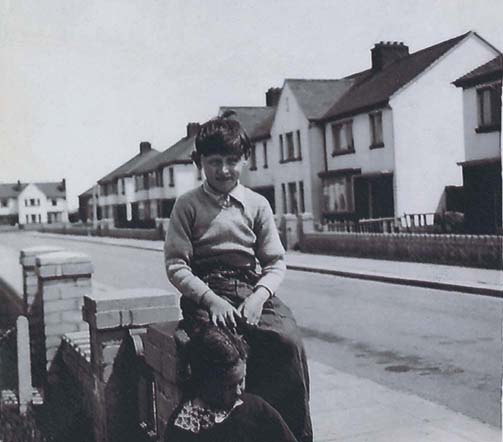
(277, 365)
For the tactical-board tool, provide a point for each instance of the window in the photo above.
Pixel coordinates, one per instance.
(27, 219)
(146, 181)
(299, 146)
(281, 152)
(171, 172)
(54, 202)
(283, 191)
(290, 148)
(338, 194)
(264, 146)
(489, 108)
(253, 158)
(159, 179)
(3, 203)
(34, 218)
(292, 192)
(123, 186)
(342, 134)
(26, 203)
(376, 135)
(301, 197)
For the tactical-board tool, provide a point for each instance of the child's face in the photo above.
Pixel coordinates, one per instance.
(223, 392)
(222, 171)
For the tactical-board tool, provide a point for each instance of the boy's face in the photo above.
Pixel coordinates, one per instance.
(222, 171)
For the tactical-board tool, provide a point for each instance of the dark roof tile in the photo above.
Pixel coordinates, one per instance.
(50, 189)
(127, 168)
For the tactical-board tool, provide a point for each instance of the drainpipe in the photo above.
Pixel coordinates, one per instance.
(325, 159)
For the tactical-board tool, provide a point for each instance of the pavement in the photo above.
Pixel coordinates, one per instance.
(345, 407)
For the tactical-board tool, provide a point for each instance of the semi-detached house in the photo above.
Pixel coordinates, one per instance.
(393, 140)
(482, 143)
(33, 203)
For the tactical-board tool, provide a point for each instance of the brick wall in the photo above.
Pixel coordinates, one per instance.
(462, 250)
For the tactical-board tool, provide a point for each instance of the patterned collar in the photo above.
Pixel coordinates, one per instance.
(224, 199)
(195, 417)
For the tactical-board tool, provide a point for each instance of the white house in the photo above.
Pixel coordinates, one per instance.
(116, 191)
(393, 140)
(482, 144)
(33, 203)
(297, 154)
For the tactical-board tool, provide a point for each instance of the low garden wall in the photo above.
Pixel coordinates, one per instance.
(481, 251)
(147, 234)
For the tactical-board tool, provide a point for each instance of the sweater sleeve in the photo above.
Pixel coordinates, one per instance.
(178, 253)
(269, 250)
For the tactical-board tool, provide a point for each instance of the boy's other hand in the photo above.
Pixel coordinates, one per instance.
(251, 308)
(221, 311)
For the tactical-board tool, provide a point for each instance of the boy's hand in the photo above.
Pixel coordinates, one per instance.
(251, 308)
(221, 312)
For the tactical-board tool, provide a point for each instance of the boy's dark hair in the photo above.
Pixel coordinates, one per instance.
(224, 136)
(213, 351)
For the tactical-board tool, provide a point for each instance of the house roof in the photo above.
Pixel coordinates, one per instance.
(88, 192)
(492, 70)
(374, 88)
(256, 120)
(315, 97)
(127, 168)
(178, 153)
(50, 189)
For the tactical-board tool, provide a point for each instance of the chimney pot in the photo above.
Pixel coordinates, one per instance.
(145, 146)
(192, 129)
(272, 96)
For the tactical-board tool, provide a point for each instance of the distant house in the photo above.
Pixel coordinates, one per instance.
(257, 121)
(392, 141)
(116, 191)
(33, 203)
(161, 179)
(482, 144)
(297, 154)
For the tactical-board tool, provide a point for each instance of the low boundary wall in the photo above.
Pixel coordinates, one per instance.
(482, 251)
(147, 234)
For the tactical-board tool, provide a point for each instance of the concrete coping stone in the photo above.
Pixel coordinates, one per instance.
(28, 255)
(62, 257)
(114, 300)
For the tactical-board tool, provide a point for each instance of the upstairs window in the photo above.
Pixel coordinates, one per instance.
(253, 158)
(54, 202)
(281, 151)
(145, 181)
(299, 146)
(158, 178)
(489, 108)
(171, 172)
(290, 148)
(376, 136)
(3, 203)
(342, 134)
(264, 145)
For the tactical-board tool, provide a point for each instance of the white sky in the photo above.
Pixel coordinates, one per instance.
(82, 82)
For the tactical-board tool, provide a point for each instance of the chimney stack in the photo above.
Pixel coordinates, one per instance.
(385, 53)
(145, 147)
(192, 129)
(63, 184)
(272, 96)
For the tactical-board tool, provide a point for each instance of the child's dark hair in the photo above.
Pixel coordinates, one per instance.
(213, 351)
(224, 136)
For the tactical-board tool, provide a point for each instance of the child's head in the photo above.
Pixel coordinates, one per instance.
(217, 358)
(222, 147)
(223, 136)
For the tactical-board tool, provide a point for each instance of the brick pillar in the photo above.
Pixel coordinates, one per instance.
(33, 308)
(112, 317)
(63, 280)
(291, 229)
(163, 351)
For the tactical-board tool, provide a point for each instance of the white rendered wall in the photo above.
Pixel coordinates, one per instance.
(482, 145)
(428, 129)
(290, 118)
(32, 192)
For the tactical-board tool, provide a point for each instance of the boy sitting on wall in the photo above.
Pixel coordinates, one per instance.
(224, 254)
